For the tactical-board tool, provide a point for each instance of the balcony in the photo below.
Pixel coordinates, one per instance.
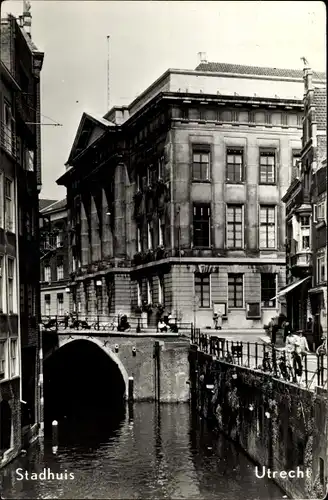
(301, 263)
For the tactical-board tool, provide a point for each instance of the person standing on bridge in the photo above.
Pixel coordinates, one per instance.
(66, 319)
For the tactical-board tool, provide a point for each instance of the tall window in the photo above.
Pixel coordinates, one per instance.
(235, 168)
(47, 304)
(161, 299)
(160, 233)
(60, 272)
(149, 292)
(267, 167)
(200, 164)
(1, 200)
(234, 226)
(29, 160)
(305, 232)
(9, 205)
(8, 128)
(161, 164)
(321, 269)
(296, 165)
(47, 273)
(59, 240)
(139, 294)
(149, 236)
(321, 210)
(13, 358)
(267, 227)
(139, 241)
(202, 289)
(10, 282)
(235, 291)
(1, 283)
(87, 297)
(60, 304)
(268, 289)
(202, 225)
(151, 175)
(3, 358)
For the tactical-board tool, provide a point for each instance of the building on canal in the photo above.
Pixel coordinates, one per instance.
(54, 272)
(306, 218)
(175, 200)
(20, 182)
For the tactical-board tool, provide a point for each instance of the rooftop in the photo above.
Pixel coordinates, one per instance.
(215, 67)
(54, 206)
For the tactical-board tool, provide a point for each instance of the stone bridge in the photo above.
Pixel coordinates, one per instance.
(149, 368)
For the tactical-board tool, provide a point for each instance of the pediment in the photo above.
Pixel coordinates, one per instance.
(89, 130)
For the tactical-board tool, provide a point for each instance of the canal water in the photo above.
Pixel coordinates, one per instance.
(148, 452)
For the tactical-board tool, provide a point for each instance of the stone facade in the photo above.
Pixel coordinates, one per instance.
(138, 194)
(54, 268)
(20, 177)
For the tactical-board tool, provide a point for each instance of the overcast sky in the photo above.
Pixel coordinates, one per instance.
(146, 39)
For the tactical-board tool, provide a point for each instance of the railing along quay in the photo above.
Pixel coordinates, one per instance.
(308, 370)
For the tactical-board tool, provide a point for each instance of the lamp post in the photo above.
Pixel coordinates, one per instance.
(98, 289)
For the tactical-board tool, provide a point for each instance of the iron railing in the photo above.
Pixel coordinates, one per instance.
(308, 370)
(101, 323)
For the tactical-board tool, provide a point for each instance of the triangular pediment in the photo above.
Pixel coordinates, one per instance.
(89, 130)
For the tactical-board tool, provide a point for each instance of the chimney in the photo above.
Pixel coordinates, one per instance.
(26, 18)
(307, 76)
(202, 58)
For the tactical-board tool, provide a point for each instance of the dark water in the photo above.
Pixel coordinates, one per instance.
(156, 453)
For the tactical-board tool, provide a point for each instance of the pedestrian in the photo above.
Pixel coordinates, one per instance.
(287, 330)
(304, 345)
(66, 319)
(293, 350)
(217, 318)
(309, 325)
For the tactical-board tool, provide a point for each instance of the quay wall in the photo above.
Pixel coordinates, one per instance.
(279, 425)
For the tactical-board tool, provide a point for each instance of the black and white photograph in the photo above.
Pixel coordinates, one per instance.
(163, 250)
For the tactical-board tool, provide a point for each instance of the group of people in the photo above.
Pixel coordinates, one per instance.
(167, 323)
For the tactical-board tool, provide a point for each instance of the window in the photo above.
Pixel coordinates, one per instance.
(267, 168)
(234, 226)
(267, 227)
(60, 304)
(29, 160)
(59, 240)
(47, 304)
(161, 164)
(87, 297)
(268, 290)
(305, 231)
(1, 199)
(149, 292)
(160, 233)
(321, 268)
(3, 358)
(200, 165)
(10, 280)
(8, 128)
(13, 358)
(9, 205)
(235, 167)
(139, 295)
(139, 242)
(1, 283)
(151, 175)
(161, 290)
(321, 211)
(60, 272)
(149, 236)
(235, 291)
(47, 273)
(202, 289)
(296, 165)
(201, 224)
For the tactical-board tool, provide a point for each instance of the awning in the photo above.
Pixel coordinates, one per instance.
(288, 288)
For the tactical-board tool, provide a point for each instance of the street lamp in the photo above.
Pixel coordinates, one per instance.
(98, 288)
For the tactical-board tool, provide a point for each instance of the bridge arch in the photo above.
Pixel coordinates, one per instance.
(65, 340)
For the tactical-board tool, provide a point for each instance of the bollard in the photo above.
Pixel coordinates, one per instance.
(130, 389)
(134, 351)
(116, 347)
(54, 437)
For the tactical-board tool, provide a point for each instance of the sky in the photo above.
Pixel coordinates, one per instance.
(147, 38)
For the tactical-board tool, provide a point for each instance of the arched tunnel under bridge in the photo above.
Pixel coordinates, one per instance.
(83, 382)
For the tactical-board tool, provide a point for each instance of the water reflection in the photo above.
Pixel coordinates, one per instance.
(143, 451)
